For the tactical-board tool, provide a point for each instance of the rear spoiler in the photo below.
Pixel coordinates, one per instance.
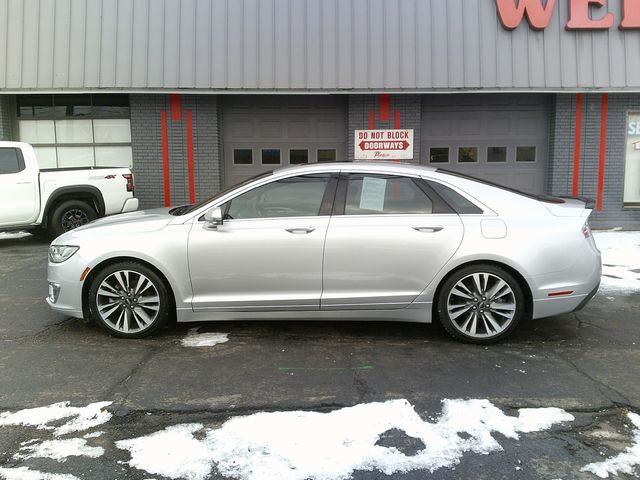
(589, 203)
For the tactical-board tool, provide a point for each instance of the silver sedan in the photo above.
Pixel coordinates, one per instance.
(338, 241)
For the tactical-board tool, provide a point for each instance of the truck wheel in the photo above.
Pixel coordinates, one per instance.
(69, 215)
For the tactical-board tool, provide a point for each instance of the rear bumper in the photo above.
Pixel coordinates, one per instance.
(130, 205)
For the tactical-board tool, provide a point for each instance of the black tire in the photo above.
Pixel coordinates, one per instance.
(463, 314)
(69, 215)
(139, 311)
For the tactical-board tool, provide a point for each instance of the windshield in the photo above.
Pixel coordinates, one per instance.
(185, 209)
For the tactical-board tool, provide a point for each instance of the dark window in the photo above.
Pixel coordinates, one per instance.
(454, 199)
(439, 155)
(271, 156)
(525, 154)
(70, 106)
(290, 197)
(496, 154)
(467, 154)
(242, 156)
(385, 194)
(297, 157)
(11, 161)
(326, 155)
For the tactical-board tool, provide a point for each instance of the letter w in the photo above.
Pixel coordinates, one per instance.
(512, 11)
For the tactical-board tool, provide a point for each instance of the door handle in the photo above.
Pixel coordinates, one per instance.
(427, 229)
(300, 230)
(24, 183)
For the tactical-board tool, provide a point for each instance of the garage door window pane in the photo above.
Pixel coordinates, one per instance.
(297, 157)
(526, 154)
(326, 155)
(271, 156)
(75, 157)
(114, 156)
(378, 194)
(74, 131)
(468, 154)
(46, 157)
(497, 154)
(37, 131)
(113, 130)
(242, 156)
(439, 155)
(291, 197)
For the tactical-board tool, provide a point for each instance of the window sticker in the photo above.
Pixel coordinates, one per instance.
(373, 193)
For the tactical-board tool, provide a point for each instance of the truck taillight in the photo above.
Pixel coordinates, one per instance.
(129, 178)
(586, 231)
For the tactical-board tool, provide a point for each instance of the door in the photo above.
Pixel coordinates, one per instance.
(264, 132)
(267, 254)
(19, 199)
(387, 244)
(502, 138)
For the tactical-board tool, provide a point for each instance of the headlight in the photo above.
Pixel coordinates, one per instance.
(60, 253)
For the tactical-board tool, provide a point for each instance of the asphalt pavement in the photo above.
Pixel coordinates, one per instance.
(587, 363)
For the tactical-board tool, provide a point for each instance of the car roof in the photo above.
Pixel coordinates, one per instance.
(384, 166)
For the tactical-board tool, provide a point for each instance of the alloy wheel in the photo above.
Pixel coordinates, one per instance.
(128, 301)
(74, 218)
(481, 305)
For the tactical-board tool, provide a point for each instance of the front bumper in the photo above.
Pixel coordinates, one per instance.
(65, 287)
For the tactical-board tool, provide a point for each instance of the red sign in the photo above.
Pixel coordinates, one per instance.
(539, 12)
(375, 145)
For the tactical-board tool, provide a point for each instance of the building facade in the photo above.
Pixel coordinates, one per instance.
(197, 95)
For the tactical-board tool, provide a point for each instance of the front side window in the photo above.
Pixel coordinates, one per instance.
(290, 197)
(10, 161)
(385, 194)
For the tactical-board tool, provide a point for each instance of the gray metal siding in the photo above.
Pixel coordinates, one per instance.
(417, 45)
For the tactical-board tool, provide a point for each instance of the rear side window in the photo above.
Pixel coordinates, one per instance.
(385, 194)
(460, 204)
(11, 161)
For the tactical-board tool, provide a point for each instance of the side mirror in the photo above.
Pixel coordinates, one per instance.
(213, 218)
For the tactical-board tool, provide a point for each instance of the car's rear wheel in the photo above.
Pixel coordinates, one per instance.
(480, 304)
(129, 300)
(69, 215)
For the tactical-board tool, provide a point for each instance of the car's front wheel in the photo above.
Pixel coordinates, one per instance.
(128, 300)
(480, 304)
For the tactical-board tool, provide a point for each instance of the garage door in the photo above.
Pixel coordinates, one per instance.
(502, 138)
(261, 133)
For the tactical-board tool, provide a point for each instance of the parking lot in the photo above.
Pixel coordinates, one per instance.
(587, 364)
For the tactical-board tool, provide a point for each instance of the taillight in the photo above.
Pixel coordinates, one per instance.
(586, 231)
(129, 178)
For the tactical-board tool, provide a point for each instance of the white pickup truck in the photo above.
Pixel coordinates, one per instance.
(57, 200)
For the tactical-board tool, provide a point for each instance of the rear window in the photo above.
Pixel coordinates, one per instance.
(11, 160)
(539, 197)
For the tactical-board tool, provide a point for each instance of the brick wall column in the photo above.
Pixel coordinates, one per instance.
(409, 109)
(7, 113)
(561, 154)
(146, 140)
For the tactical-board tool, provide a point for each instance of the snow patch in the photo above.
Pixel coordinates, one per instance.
(23, 473)
(60, 450)
(620, 257)
(625, 462)
(173, 452)
(79, 418)
(301, 445)
(11, 235)
(195, 339)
